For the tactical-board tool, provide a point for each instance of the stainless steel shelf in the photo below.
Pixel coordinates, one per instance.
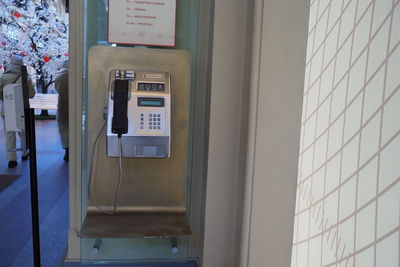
(135, 225)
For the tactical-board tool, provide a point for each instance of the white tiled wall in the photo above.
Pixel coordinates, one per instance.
(348, 196)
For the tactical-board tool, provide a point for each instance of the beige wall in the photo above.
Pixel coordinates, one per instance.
(272, 101)
(274, 145)
(75, 111)
(222, 218)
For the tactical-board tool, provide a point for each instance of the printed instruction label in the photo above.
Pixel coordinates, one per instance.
(141, 22)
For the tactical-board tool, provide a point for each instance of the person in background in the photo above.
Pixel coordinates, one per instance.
(61, 85)
(12, 75)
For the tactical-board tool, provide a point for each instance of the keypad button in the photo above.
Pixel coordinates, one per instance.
(160, 87)
(151, 115)
(148, 86)
(154, 87)
(158, 127)
(141, 87)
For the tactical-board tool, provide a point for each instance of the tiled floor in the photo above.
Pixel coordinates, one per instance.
(15, 213)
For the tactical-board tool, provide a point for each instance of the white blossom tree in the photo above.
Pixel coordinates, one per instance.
(34, 30)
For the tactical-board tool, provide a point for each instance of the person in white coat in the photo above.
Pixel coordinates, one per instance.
(12, 75)
(61, 85)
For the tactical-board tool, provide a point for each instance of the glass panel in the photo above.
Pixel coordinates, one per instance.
(134, 249)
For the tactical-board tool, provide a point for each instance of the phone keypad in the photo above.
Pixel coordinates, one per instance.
(150, 121)
(154, 121)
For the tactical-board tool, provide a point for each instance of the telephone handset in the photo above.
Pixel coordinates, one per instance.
(119, 123)
(139, 112)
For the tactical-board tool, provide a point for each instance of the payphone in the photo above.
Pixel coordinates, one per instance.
(136, 179)
(139, 110)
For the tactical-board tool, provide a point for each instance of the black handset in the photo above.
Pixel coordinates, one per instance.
(120, 111)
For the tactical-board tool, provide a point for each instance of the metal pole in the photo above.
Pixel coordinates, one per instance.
(31, 145)
(34, 190)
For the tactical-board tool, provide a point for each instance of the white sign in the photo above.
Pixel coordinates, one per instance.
(142, 22)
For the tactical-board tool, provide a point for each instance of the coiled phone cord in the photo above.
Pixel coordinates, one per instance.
(93, 196)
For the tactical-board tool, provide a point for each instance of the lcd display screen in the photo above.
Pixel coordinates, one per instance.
(150, 102)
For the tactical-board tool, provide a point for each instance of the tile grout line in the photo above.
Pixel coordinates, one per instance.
(359, 143)
(343, 129)
(353, 136)
(344, 120)
(388, 188)
(336, 54)
(378, 156)
(340, 165)
(341, 46)
(310, 180)
(326, 154)
(371, 78)
(330, 30)
(317, 20)
(387, 235)
(381, 135)
(358, 22)
(364, 165)
(334, 25)
(327, 9)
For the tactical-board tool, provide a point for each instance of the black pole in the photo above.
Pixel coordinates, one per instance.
(34, 189)
(31, 145)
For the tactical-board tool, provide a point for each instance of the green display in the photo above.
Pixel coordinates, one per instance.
(150, 102)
